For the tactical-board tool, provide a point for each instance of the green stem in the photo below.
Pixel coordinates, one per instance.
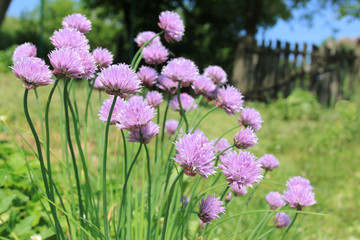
(125, 152)
(292, 223)
(42, 165)
(202, 118)
(224, 192)
(182, 112)
(218, 154)
(149, 192)
(168, 203)
(86, 115)
(67, 129)
(165, 115)
(106, 224)
(227, 131)
(157, 135)
(260, 224)
(123, 197)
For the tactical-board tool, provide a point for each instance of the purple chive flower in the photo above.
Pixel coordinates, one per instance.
(269, 162)
(88, 63)
(210, 208)
(241, 169)
(245, 138)
(119, 80)
(77, 21)
(70, 37)
(299, 193)
(195, 154)
(187, 102)
(154, 98)
(167, 84)
(212, 95)
(181, 70)
(155, 54)
(148, 132)
(275, 200)
(221, 145)
(282, 220)
(230, 99)
(171, 126)
(228, 197)
(66, 62)
(147, 75)
(143, 37)
(250, 117)
(239, 191)
(216, 74)
(103, 57)
(32, 72)
(135, 113)
(24, 50)
(173, 26)
(203, 85)
(105, 110)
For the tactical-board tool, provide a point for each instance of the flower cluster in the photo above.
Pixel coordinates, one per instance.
(299, 193)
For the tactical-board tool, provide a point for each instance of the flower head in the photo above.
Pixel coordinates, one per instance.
(119, 80)
(155, 54)
(239, 191)
(167, 84)
(250, 117)
(195, 154)
(105, 110)
(216, 74)
(269, 162)
(241, 169)
(187, 102)
(210, 208)
(282, 220)
(230, 99)
(147, 75)
(181, 70)
(32, 72)
(145, 36)
(245, 138)
(98, 85)
(35, 237)
(66, 62)
(203, 85)
(228, 197)
(299, 193)
(135, 113)
(103, 57)
(70, 37)
(173, 26)
(147, 133)
(77, 21)
(171, 126)
(88, 63)
(275, 200)
(24, 50)
(154, 98)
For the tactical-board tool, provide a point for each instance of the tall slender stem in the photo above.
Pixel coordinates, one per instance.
(182, 112)
(123, 197)
(165, 115)
(168, 203)
(86, 115)
(149, 192)
(67, 130)
(227, 131)
(157, 135)
(125, 153)
(224, 192)
(291, 224)
(106, 224)
(202, 118)
(42, 165)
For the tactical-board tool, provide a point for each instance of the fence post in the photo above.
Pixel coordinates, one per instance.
(303, 63)
(313, 68)
(276, 68)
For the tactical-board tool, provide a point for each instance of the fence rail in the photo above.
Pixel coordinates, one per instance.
(262, 71)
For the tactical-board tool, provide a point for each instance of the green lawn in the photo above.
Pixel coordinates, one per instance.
(311, 141)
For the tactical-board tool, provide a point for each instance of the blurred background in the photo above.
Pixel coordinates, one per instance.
(296, 61)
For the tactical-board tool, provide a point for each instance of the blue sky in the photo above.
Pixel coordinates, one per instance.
(292, 31)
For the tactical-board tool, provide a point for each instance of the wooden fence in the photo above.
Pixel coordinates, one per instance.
(262, 71)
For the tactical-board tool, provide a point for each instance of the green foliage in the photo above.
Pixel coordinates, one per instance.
(6, 59)
(21, 212)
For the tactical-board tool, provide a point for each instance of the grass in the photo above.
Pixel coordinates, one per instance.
(311, 141)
